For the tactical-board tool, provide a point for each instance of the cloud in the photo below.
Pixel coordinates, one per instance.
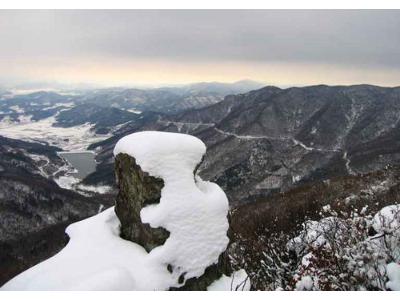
(343, 39)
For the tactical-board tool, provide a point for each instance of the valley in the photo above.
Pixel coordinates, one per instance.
(263, 147)
(272, 139)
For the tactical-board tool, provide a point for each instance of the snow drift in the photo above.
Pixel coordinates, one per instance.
(192, 210)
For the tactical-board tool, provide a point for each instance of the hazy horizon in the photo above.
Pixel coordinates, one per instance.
(175, 47)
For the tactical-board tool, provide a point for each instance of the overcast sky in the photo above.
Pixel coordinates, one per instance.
(159, 47)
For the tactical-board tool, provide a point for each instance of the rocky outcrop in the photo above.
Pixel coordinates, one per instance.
(138, 189)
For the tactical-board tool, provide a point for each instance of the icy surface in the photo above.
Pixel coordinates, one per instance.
(192, 210)
(238, 281)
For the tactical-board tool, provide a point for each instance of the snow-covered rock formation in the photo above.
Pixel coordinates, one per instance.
(188, 214)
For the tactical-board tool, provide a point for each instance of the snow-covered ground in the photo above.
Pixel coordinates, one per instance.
(393, 273)
(42, 131)
(96, 258)
(135, 111)
(17, 109)
(62, 104)
(99, 189)
(67, 182)
(70, 182)
(347, 163)
(238, 281)
(76, 138)
(193, 211)
(42, 162)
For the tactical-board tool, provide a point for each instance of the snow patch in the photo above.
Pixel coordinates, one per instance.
(42, 162)
(306, 283)
(62, 104)
(326, 208)
(135, 111)
(67, 182)
(238, 281)
(296, 178)
(388, 219)
(393, 273)
(17, 109)
(101, 207)
(297, 142)
(24, 119)
(99, 189)
(314, 130)
(315, 233)
(350, 199)
(6, 121)
(70, 182)
(347, 163)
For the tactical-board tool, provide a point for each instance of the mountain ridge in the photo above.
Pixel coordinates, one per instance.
(276, 137)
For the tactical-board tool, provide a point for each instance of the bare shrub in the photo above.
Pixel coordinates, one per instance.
(339, 252)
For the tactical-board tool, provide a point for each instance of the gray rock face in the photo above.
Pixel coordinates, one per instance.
(138, 189)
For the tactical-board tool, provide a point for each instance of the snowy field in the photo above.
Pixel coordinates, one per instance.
(42, 131)
(70, 182)
(71, 140)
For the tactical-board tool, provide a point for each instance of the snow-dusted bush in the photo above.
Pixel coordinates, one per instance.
(265, 260)
(347, 252)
